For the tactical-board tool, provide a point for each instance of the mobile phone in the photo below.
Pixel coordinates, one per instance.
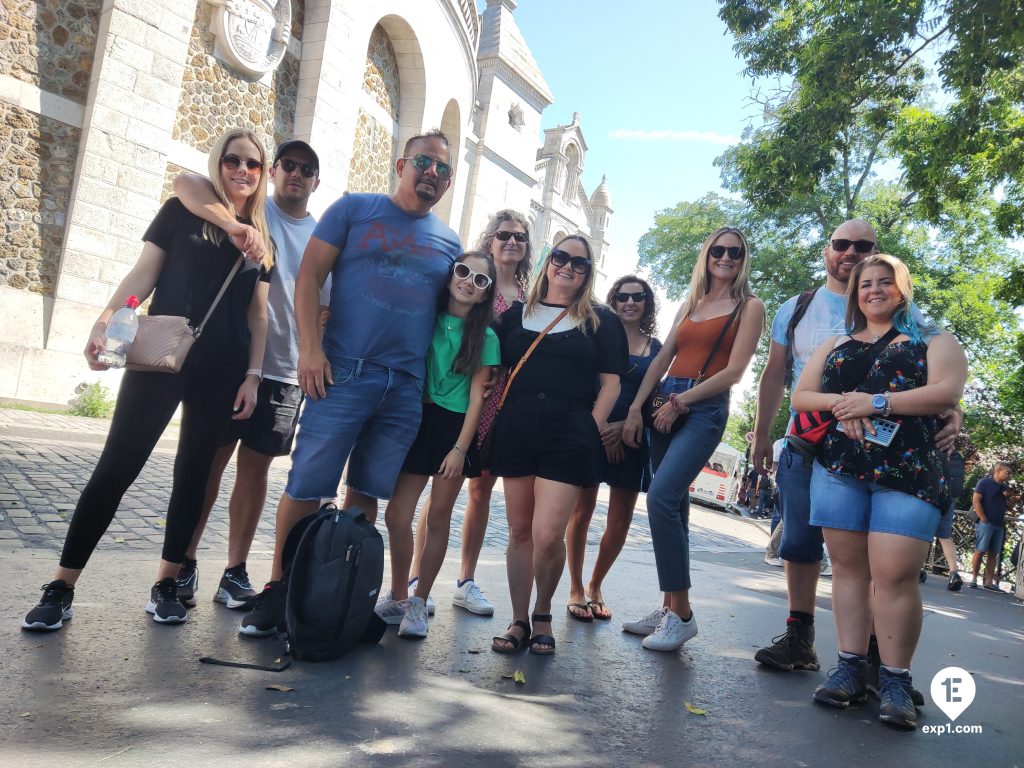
(885, 430)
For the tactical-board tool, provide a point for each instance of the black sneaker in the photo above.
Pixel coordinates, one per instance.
(896, 707)
(875, 664)
(846, 684)
(53, 610)
(956, 582)
(266, 613)
(234, 589)
(164, 603)
(792, 650)
(188, 582)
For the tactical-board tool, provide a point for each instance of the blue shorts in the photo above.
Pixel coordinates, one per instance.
(841, 502)
(369, 418)
(801, 542)
(988, 538)
(945, 529)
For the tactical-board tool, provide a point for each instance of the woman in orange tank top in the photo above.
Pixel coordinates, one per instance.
(709, 347)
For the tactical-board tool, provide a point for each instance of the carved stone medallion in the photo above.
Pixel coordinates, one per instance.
(252, 35)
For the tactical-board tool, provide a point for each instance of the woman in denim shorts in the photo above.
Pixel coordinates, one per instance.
(720, 316)
(879, 504)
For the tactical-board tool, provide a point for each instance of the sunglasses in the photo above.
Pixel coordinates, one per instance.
(578, 264)
(841, 245)
(231, 162)
(734, 252)
(480, 280)
(637, 297)
(422, 164)
(504, 235)
(289, 166)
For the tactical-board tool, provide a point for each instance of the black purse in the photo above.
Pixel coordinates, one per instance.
(662, 396)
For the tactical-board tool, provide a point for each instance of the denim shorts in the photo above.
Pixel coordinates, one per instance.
(988, 538)
(945, 529)
(369, 418)
(841, 502)
(801, 542)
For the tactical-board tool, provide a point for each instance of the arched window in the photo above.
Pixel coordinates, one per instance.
(375, 147)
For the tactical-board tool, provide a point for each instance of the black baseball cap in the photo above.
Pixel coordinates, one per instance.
(296, 144)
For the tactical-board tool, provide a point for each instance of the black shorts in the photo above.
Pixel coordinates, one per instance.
(439, 431)
(633, 473)
(270, 429)
(549, 437)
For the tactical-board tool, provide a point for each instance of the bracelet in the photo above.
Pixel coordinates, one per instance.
(888, 405)
(465, 458)
(257, 372)
(680, 408)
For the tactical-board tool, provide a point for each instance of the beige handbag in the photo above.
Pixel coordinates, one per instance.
(163, 341)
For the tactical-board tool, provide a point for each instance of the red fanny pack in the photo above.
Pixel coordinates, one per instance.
(811, 426)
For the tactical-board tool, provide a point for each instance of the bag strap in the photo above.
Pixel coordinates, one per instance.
(718, 342)
(803, 301)
(285, 664)
(861, 368)
(220, 295)
(526, 355)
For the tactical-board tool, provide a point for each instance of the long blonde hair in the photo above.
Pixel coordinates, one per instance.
(700, 281)
(256, 205)
(581, 310)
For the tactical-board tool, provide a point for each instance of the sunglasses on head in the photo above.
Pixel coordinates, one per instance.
(252, 165)
(637, 297)
(480, 280)
(578, 264)
(734, 252)
(841, 245)
(504, 235)
(422, 164)
(289, 166)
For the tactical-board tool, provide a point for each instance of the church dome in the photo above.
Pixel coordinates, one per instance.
(601, 197)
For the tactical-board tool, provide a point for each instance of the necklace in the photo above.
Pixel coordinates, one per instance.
(640, 357)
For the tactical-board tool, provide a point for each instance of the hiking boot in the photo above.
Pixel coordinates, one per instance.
(53, 610)
(164, 603)
(671, 633)
(896, 706)
(266, 611)
(875, 664)
(846, 684)
(646, 625)
(470, 597)
(794, 649)
(391, 611)
(188, 582)
(956, 582)
(415, 622)
(234, 589)
(431, 605)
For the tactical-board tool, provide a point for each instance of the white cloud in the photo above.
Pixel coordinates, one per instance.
(707, 136)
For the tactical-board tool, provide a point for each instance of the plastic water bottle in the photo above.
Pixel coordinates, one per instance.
(121, 330)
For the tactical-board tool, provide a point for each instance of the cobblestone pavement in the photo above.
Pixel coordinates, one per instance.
(45, 460)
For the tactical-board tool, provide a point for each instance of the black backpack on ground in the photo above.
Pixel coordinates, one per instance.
(333, 570)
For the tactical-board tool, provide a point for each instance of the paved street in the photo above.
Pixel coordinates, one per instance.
(114, 689)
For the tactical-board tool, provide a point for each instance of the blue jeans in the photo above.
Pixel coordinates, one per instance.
(369, 418)
(801, 541)
(677, 460)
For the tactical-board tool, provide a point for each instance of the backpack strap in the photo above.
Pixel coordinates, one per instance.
(803, 301)
(286, 659)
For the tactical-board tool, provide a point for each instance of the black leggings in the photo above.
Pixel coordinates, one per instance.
(145, 404)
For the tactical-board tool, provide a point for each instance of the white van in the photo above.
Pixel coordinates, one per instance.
(718, 483)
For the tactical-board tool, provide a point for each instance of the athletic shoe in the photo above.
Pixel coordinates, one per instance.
(266, 611)
(774, 561)
(188, 582)
(390, 610)
(646, 625)
(415, 622)
(875, 664)
(992, 588)
(234, 589)
(431, 605)
(794, 649)
(53, 610)
(846, 684)
(826, 568)
(671, 633)
(956, 582)
(164, 603)
(470, 597)
(973, 584)
(896, 706)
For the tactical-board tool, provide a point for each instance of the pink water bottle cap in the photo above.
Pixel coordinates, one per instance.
(132, 301)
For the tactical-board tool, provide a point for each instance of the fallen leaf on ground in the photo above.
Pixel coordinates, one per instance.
(279, 687)
(161, 523)
(474, 650)
(519, 677)
(119, 540)
(694, 710)
(26, 714)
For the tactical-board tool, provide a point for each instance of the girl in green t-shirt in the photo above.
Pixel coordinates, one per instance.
(462, 352)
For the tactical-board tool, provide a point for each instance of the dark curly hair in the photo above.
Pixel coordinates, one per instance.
(649, 318)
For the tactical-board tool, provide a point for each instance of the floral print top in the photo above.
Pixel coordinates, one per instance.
(490, 410)
(911, 463)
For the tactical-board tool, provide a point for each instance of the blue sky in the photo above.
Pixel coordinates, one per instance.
(660, 95)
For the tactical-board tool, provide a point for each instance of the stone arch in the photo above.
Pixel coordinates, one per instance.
(451, 126)
(573, 167)
(413, 76)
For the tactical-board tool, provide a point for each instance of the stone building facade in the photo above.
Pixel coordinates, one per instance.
(103, 102)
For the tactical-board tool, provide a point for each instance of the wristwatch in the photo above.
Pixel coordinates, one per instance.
(879, 403)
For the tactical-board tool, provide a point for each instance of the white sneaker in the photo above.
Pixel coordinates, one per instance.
(671, 633)
(826, 568)
(415, 622)
(470, 597)
(647, 624)
(390, 610)
(431, 606)
(775, 561)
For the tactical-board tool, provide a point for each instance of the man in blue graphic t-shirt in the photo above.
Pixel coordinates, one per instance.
(388, 258)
